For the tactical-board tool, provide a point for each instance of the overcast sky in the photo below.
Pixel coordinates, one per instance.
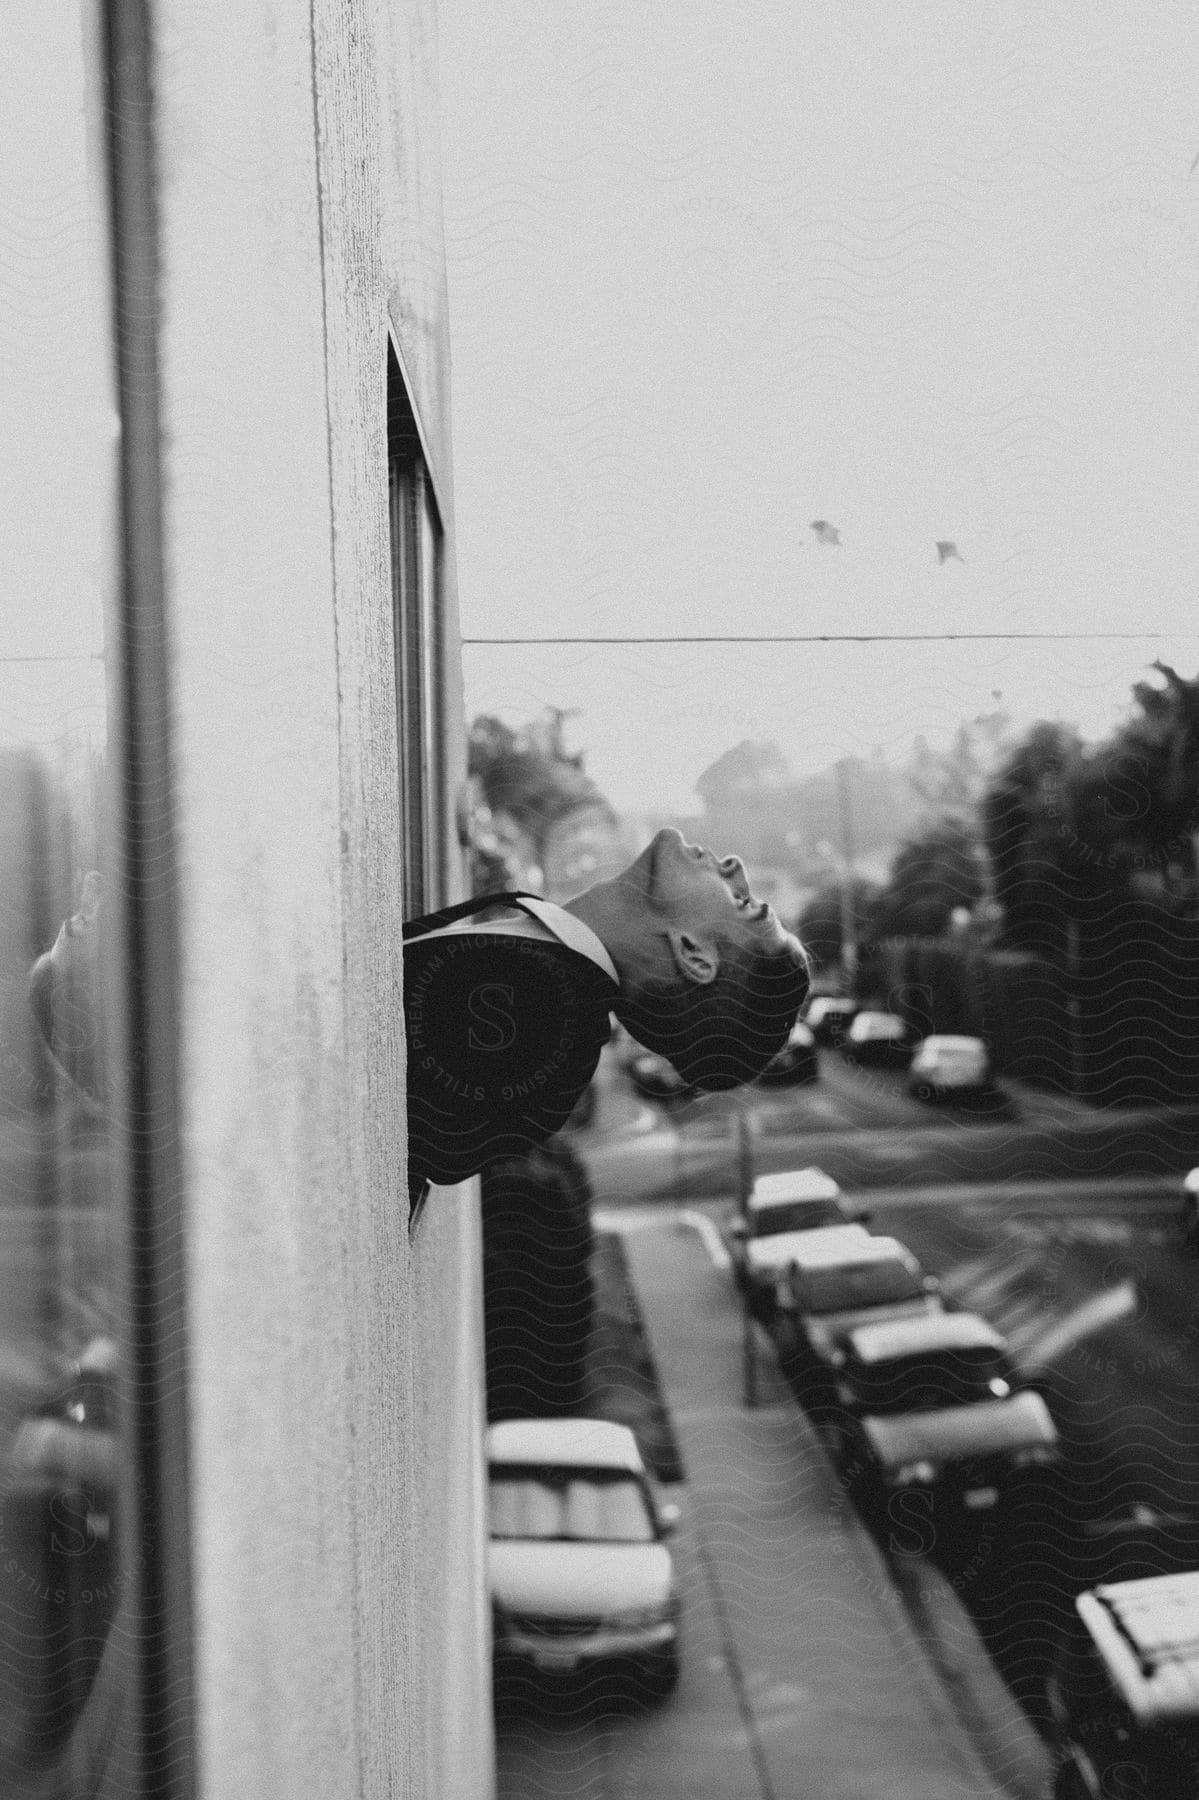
(922, 271)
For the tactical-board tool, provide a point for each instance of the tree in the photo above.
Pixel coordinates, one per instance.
(1136, 797)
(953, 781)
(934, 872)
(1066, 823)
(1028, 815)
(819, 924)
(753, 803)
(749, 771)
(526, 774)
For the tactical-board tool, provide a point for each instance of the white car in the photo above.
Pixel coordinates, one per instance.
(580, 1573)
(828, 1017)
(949, 1064)
(835, 1289)
(770, 1262)
(778, 1207)
(879, 1038)
(1190, 1208)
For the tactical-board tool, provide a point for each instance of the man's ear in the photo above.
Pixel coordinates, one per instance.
(694, 959)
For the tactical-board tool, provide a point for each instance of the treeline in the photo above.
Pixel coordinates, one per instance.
(1059, 915)
(525, 789)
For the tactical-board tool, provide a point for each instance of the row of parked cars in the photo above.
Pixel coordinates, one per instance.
(907, 1392)
(940, 1067)
(913, 1396)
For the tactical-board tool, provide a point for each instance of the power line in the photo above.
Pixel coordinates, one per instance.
(846, 637)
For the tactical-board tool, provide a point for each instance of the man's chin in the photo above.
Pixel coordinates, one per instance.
(643, 872)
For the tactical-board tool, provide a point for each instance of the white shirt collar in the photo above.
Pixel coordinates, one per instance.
(569, 931)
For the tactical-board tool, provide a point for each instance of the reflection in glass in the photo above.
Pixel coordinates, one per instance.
(60, 1579)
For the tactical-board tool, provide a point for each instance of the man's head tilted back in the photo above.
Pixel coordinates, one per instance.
(709, 977)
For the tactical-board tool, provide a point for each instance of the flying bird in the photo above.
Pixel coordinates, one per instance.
(1193, 167)
(825, 533)
(945, 550)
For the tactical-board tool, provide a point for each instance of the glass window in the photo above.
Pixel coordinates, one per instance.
(63, 1578)
(926, 1382)
(800, 1215)
(416, 566)
(553, 1506)
(858, 1285)
(416, 598)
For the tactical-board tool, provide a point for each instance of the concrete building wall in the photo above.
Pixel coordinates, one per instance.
(335, 1360)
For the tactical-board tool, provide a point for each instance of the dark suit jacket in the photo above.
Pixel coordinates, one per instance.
(504, 1034)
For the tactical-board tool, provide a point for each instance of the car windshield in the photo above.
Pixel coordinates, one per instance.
(796, 1215)
(569, 1506)
(849, 1286)
(928, 1381)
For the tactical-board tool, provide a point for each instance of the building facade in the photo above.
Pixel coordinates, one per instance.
(241, 1492)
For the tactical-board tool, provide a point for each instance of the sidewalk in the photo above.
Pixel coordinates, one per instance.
(817, 1684)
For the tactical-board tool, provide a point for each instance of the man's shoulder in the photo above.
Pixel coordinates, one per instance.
(462, 955)
(545, 987)
(503, 1035)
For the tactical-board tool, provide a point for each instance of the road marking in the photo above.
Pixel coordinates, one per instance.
(1096, 1314)
(632, 1218)
(710, 1238)
(640, 1218)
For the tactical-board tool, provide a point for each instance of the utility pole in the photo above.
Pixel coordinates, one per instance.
(744, 1146)
(1074, 1009)
(849, 941)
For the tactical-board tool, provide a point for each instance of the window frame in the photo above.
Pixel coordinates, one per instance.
(416, 555)
(155, 1495)
(417, 560)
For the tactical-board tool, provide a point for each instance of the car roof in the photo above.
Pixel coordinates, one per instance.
(953, 1043)
(846, 1244)
(836, 1245)
(821, 1003)
(581, 1443)
(929, 1331)
(792, 1184)
(873, 1018)
(1147, 1633)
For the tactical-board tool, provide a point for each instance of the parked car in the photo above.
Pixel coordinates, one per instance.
(1190, 1209)
(938, 1359)
(829, 1293)
(934, 1404)
(1124, 1697)
(581, 1575)
(879, 1039)
(828, 1017)
(797, 1200)
(777, 1207)
(796, 1062)
(946, 1066)
(655, 1077)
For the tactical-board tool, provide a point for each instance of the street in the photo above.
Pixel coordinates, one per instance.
(1077, 1258)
